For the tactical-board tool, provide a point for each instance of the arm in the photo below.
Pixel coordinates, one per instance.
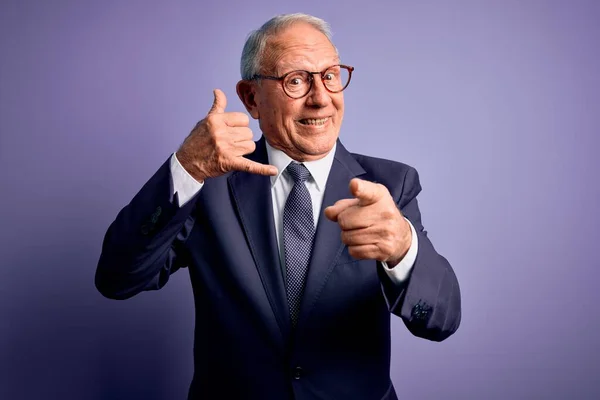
(144, 245)
(429, 301)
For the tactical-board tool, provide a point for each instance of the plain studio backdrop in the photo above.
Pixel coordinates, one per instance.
(496, 103)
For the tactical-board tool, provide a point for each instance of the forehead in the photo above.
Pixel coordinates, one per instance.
(300, 46)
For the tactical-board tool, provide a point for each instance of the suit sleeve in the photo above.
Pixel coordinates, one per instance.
(145, 243)
(429, 302)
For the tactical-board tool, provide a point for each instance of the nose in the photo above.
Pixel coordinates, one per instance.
(318, 96)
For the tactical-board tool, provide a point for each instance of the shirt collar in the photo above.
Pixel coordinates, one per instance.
(319, 169)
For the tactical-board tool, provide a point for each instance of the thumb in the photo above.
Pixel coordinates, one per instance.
(219, 103)
(333, 211)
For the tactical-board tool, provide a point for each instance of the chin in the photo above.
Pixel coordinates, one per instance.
(317, 145)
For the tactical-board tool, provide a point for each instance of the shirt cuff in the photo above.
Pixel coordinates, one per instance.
(184, 184)
(400, 272)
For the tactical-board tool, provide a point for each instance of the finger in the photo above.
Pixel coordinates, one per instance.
(361, 236)
(243, 164)
(333, 211)
(236, 119)
(364, 251)
(355, 217)
(219, 102)
(367, 192)
(242, 148)
(240, 134)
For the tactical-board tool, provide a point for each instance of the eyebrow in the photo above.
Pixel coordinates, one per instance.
(285, 70)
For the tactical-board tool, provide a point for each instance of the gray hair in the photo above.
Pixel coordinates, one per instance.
(254, 47)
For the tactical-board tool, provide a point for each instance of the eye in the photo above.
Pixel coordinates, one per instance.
(329, 76)
(296, 81)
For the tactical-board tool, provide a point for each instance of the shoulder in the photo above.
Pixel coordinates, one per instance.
(381, 166)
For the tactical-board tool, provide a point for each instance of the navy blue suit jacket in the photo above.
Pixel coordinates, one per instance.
(244, 345)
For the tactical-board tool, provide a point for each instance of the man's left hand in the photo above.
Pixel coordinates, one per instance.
(372, 225)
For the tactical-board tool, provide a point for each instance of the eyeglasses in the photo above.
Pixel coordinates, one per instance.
(297, 84)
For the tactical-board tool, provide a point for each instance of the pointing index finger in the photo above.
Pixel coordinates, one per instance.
(367, 192)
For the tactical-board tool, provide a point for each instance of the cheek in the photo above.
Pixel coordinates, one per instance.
(274, 120)
(339, 106)
(268, 113)
(288, 113)
(277, 111)
(278, 114)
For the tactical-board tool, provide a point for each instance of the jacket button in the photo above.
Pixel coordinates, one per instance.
(298, 373)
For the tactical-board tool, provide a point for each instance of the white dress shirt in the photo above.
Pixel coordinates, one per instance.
(186, 187)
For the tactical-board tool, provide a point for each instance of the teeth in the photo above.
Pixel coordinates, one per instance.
(314, 121)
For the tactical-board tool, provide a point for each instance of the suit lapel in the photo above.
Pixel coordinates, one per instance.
(328, 245)
(252, 195)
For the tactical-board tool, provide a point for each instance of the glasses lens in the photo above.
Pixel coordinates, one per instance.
(297, 84)
(336, 78)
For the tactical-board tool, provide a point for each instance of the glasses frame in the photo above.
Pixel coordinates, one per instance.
(311, 75)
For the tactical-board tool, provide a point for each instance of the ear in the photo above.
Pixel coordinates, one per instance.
(246, 91)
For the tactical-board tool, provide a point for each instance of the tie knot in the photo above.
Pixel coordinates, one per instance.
(298, 172)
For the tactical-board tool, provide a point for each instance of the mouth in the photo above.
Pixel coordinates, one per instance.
(313, 121)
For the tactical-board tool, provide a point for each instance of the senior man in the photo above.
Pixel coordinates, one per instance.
(297, 249)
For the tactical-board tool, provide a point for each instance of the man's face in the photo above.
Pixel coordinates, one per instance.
(305, 128)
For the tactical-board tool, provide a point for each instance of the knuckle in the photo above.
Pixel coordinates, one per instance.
(386, 234)
(214, 123)
(346, 236)
(343, 220)
(381, 230)
(355, 252)
(387, 214)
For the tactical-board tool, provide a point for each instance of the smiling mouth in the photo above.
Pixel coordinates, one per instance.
(313, 121)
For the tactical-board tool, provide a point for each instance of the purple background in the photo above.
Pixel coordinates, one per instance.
(496, 103)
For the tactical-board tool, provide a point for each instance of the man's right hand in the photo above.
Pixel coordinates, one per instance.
(218, 143)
